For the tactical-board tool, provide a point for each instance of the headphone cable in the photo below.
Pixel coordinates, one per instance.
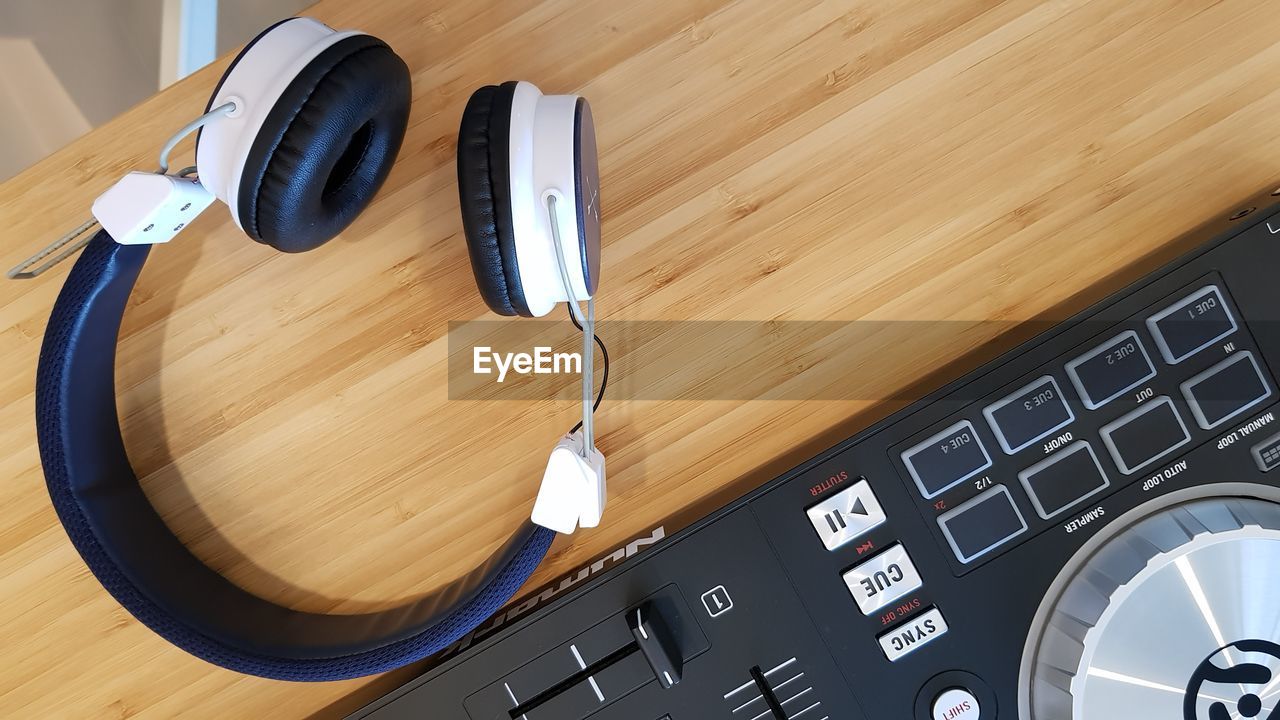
(604, 370)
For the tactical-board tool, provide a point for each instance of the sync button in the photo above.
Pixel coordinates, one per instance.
(913, 635)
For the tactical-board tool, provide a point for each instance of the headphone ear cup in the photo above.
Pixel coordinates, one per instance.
(326, 146)
(484, 195)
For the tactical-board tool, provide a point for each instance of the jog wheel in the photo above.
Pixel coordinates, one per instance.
(1176, 617)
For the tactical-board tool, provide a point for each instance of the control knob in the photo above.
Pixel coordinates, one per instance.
(1176, 616)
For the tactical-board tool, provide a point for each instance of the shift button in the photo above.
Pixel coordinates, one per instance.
(956, 704)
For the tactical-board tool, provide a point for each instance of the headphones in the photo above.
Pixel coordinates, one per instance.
(520, 151)
(299, 135)
(319, 117)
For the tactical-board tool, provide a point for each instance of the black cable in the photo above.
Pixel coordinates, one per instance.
(604, 373)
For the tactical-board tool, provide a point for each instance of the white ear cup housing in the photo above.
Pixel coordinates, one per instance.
(549, 158)
(255, 81)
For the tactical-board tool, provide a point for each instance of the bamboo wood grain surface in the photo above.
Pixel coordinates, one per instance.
(950, 160)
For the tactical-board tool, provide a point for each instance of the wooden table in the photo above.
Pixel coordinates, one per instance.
(951, 160)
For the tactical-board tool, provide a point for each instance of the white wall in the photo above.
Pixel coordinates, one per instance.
(240, 20)
(37, 114)
(105, 53)
(83, 62)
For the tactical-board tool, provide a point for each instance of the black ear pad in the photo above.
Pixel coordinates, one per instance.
(484, 194)
(326, 146)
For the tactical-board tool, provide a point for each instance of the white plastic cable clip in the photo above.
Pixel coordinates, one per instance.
(148, 208)
(573, 488)
(125, 211)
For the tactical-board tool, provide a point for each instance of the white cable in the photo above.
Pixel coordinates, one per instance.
(223, 109)
(588, 324)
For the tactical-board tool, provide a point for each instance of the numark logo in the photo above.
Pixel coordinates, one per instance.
(552, 591)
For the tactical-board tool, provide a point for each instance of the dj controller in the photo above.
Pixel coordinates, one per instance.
(1087, 528)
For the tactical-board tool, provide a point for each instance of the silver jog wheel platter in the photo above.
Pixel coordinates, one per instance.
(1176, 617)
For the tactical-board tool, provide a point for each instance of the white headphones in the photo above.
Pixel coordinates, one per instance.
(527, 174)
(528, 183)
(547, 165)
(297, 138)
(224, 146)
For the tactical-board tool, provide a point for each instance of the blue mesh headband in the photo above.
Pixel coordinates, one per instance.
(144, 566)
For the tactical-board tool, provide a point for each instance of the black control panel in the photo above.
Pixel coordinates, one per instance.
(897, 575)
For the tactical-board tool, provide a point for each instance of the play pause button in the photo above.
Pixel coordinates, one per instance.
(838, 520)
(846, 516)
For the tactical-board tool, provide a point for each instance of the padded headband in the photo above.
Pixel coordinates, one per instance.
(159, 581)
